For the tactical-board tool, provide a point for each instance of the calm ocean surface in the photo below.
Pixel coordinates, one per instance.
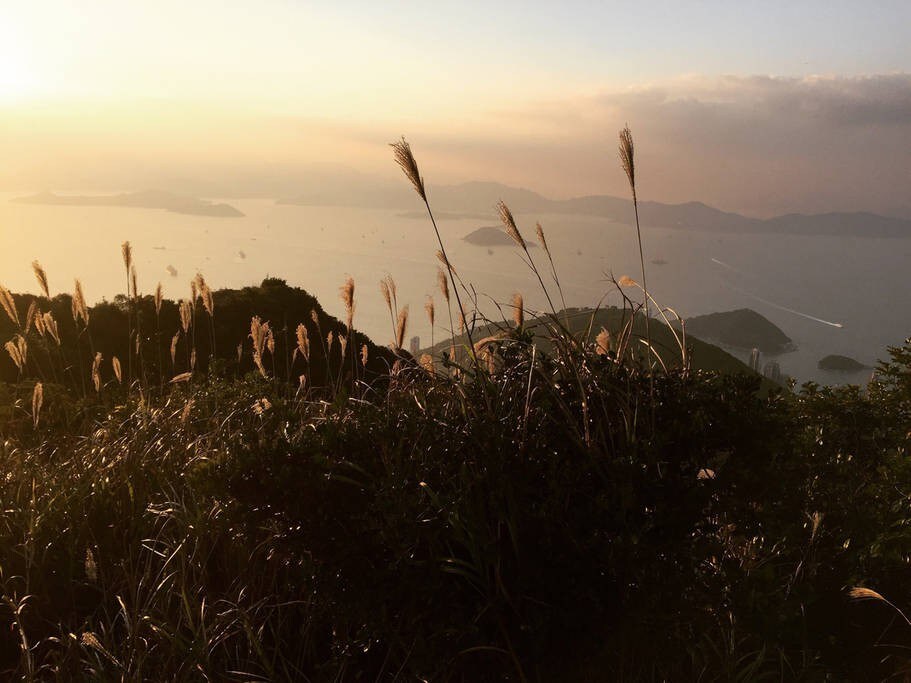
(861, 284)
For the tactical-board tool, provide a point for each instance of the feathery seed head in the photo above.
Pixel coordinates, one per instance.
(208, 300)
(627, 157)
(303, 342)
(518, 310)
(37, 402)
(510, 224)
(443, 282)
(602, 342)
(861, 593)
(41, 276)
(17, 348)
(39, 323)
(186, 315)
(387, 296)
(347, 294)
(115, 364)
(50, 326)
(127, 251)
(401, 327)
(9, 305)
(30, 315)
(365, 352)
(539, 231)
(428, 308)
(158, 299)
(405, 159)
(79, 306)
(96, 371)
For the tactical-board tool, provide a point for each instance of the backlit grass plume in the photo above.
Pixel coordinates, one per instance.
(37, 402)
(626, 152)
(80, 309)
(346, 291)
(303, 342)
(41, 276)
(401, 327)
(405, 159)
(9, 305)
(509, 222)
(518, 310)
(96, 371)
(17, 348)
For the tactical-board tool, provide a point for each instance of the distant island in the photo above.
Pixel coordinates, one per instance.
(149, 199)
(838, 363)
(492, 237)
(447, 215)
(743, 328)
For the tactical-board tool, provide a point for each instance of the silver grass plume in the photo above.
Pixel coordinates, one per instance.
(405, 159)
(401, 327)
(509, 223)
(9, 305)
(41, 276)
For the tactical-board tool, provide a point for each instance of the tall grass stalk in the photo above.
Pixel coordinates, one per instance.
(405, 159)
(626, 152)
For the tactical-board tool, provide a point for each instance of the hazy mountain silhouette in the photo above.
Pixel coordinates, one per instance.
(480, 198)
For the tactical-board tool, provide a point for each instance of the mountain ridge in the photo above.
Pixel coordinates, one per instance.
(480, 197)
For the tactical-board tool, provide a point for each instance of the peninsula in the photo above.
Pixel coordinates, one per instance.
(149, 199)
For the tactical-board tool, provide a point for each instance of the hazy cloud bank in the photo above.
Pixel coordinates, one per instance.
(756, 144)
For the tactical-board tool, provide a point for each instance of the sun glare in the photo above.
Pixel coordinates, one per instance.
(16, 77)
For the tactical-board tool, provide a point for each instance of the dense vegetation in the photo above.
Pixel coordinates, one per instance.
(580, 510)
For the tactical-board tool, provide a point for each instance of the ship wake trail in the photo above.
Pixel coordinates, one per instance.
(772, 303)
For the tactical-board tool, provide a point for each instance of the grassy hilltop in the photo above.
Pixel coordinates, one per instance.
(239, 487)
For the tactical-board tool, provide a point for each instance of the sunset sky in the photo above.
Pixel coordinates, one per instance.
(761, 107)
